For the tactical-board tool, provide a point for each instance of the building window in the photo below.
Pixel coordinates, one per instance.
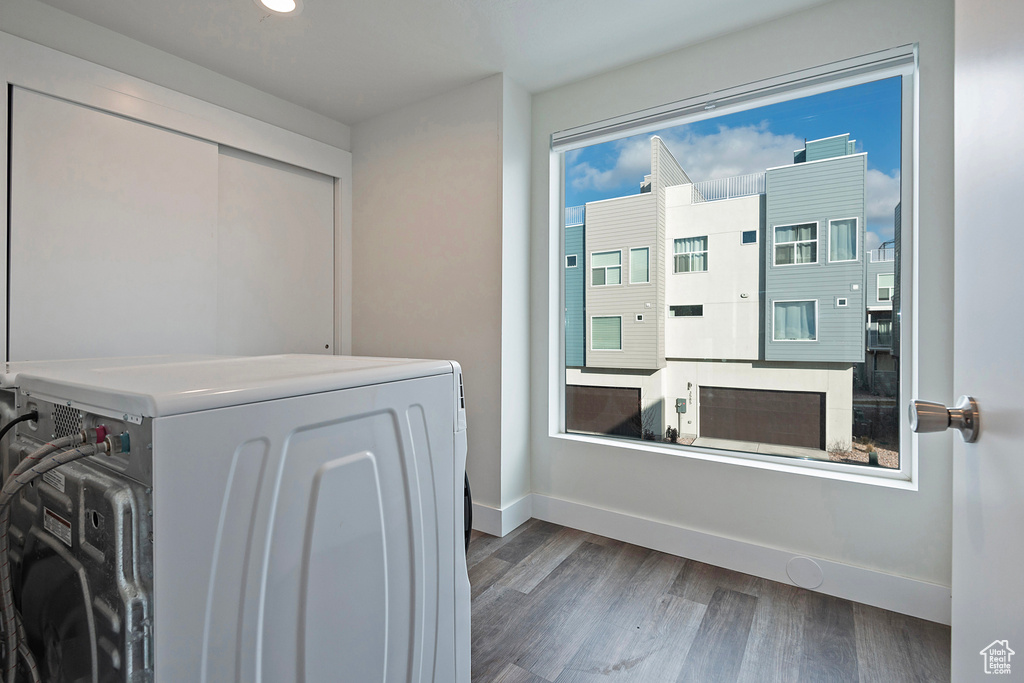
(606, 333)
(570, 261)
(796, 244)
(639, 266)
(693, 311)
(691, 254)
(842, 240)
(885, 286)
(795, 321)
(606, 268)
(812, 206)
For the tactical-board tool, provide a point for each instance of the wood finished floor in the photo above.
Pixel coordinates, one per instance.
(559, 605)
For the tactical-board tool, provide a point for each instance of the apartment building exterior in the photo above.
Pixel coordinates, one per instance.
(729, 310)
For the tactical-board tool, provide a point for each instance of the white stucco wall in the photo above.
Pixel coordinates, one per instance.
(900, 531)
(728, 290)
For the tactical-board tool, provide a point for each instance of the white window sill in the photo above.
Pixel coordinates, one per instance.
(896, 479)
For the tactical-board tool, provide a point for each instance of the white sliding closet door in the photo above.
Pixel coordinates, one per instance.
(113, 235)
(276, 257)
(129, 239)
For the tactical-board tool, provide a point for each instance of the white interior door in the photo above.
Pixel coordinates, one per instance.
(988, 476)
(275, 273)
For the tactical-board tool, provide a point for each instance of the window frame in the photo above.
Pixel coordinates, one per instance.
(590, 282)
(594, 317)
(878, 287)
(856, 246)
(640, 282)
(817, 319)
(816, 240)
(903, 62)
(677, 254)
(743, 234)
(575, 260)
(671, 306)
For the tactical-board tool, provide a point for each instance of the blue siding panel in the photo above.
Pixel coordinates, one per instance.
(816, 193)
(828, 148)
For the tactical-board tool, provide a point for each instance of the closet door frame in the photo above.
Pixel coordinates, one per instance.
(35, 67)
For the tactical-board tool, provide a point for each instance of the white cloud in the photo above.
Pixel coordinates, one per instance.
(883, 192)
(632, 163)
(871, 240)
(731, 151)
(726, 153)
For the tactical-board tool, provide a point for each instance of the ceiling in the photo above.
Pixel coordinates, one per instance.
(353, 60)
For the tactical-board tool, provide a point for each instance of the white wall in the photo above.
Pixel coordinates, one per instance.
(516, 116)
(430, 254)
(894, 531)
(729, 327)
(32, 20)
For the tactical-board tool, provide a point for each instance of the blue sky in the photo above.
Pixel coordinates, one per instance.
(750, 141)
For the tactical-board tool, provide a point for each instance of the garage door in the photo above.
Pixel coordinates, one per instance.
(603, 410)
(789, 418)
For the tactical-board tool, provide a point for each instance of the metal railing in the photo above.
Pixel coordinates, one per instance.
(882, 255)
(728, 188)
(574, 215)
(879, 340)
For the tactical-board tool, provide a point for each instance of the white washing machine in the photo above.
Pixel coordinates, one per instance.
(277, 518)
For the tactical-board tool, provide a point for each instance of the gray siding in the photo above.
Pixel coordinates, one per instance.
(575, 338)
(618, 225)
(817, 192)
(665, 172)
(828, 148)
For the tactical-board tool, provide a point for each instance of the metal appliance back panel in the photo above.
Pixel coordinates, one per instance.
(82, 553)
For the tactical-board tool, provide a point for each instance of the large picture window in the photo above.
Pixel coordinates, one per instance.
(885, 286)
(792, 188)
(639, 266)
(691, 255)
(606, 333)
(606, 268)
(796, 244)
(795, 321)
(842, 240)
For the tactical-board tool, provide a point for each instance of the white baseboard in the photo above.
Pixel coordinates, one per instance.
(498, 522)
(871, 587)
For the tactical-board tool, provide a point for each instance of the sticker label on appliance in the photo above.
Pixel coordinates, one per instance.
(54, 479)
(57, 525)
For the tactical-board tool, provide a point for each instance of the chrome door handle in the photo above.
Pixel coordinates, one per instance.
(926, 416)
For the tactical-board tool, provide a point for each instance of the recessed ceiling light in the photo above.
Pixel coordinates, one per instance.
(280, 7)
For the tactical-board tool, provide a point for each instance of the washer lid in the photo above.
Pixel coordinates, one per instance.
(156, 386)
